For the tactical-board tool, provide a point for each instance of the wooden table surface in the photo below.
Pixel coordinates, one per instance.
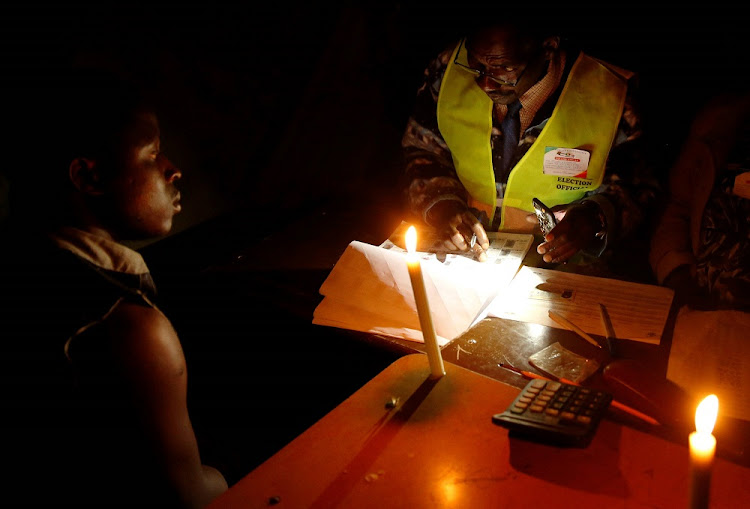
(436, 446)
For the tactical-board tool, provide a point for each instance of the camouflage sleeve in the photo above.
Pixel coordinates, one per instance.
(631, 187)
(429, 173)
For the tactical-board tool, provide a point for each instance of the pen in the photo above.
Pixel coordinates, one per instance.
(610, 330)
(571, 326)
(630, 410)
(529, 374)
(473, 240)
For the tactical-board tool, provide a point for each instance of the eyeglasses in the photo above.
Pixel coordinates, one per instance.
(479, 72)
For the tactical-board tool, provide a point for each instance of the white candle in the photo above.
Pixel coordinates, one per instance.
(423, 308)
(702, 450)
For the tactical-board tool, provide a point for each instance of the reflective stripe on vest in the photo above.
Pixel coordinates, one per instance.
(585, 117)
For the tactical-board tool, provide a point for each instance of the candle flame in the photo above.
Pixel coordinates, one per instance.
(411, 239)
(705, 414)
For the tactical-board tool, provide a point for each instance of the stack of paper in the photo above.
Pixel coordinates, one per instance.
(369, 288)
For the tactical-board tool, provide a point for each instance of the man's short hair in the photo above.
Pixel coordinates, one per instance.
(80, 112)
(91, 110)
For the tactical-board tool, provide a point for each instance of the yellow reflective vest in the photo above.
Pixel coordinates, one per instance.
(586, 117)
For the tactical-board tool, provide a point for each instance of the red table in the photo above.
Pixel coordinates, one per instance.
(405, 440)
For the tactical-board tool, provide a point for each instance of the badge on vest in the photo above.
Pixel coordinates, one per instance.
(742, 185)
(566, 162)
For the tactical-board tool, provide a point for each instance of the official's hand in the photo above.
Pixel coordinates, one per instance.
(459, 225)
(577, 227)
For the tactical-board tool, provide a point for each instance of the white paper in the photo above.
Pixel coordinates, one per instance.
(638, 311)
(710, 354)
(369, 288)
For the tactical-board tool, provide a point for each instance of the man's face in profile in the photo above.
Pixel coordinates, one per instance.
(142, 191)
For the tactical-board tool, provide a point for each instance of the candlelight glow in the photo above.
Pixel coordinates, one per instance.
(411, 239)
(450, 491)
(705, 414)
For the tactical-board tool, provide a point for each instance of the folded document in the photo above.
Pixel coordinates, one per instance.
(369, 288)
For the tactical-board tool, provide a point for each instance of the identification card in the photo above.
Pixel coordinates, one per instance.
(566, 162)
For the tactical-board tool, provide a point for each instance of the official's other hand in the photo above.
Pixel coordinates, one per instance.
(577, 227)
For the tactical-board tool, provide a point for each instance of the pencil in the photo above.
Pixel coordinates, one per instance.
(529, 374)
(610, 330)
(571, 326)
(625, 408)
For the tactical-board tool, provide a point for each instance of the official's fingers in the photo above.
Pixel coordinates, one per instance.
(459, 239)
(560, 254)
(479, 253)
(481, 235)
(449, 245)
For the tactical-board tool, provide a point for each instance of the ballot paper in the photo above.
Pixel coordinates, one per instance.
(638, 311)
(369, 288)
(710, 354)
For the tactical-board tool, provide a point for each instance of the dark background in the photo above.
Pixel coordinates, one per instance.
(277, 112)
(273, 106)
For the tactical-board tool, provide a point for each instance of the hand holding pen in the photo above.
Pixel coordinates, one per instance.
(463, 231)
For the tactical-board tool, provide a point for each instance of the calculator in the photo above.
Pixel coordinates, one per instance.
(555, 413)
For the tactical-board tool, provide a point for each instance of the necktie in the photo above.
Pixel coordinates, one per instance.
(510, 126)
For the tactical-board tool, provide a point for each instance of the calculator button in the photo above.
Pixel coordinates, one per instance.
(538, 383)
(561, 413)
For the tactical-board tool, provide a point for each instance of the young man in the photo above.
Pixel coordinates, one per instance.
(95, 393)
(507, 115)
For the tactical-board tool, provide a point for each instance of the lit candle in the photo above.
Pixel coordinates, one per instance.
(423, 308)
(702, 449)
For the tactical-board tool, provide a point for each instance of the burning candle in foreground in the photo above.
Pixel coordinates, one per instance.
(423, 308)
(702, 450)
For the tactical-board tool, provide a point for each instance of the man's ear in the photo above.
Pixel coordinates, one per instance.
(551, 45)
(84, 173)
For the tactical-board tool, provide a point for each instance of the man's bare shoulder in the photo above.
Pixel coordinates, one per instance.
(141, 333)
